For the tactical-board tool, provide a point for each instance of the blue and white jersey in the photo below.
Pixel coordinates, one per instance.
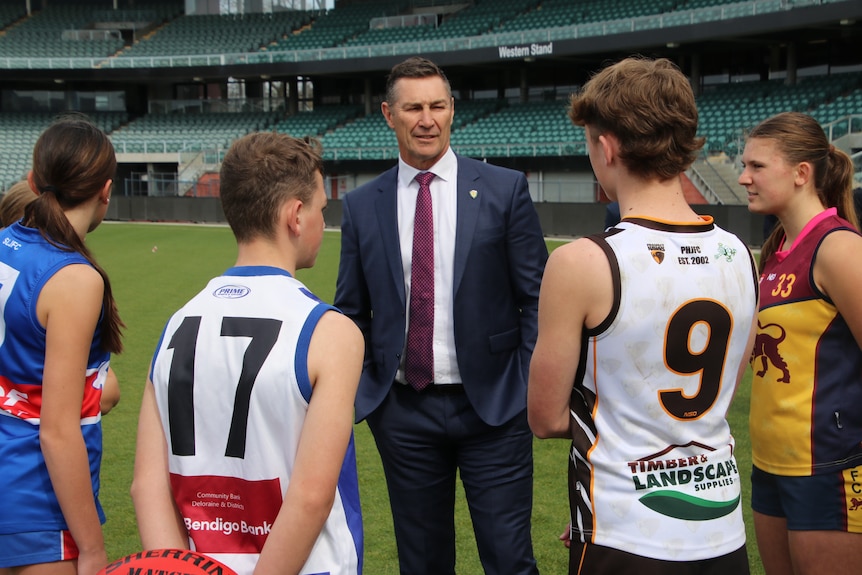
(27, 262)
(231, 382)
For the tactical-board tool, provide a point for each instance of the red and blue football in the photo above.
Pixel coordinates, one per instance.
(167, 561)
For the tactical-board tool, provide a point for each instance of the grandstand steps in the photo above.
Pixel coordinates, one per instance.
(151, 32)
(106, 60)
(716, 179)
(850, 143)
(12, 25)
(190, 171)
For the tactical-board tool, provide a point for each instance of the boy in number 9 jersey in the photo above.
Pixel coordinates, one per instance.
(644, 333)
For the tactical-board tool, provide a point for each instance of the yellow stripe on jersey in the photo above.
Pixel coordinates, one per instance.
(782, 393)
(853, 498)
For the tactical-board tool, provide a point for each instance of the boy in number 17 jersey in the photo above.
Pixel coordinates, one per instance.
(245, 445)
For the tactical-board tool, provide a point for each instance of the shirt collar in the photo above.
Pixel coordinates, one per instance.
(784, 251)
(444, 169)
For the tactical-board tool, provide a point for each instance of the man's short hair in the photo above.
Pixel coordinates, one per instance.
(259, 173)
(414, 67)
(650, 107)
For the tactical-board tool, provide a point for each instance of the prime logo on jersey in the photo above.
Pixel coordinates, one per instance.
(231, 292)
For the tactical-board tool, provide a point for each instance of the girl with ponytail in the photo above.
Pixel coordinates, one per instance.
(806, 396)
(59, 326)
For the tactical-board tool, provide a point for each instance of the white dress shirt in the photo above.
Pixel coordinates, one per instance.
(444, 187)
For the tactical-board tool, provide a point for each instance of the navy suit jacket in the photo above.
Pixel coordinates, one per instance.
(500, 254)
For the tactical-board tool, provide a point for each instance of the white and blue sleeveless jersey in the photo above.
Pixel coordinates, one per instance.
(231, 382)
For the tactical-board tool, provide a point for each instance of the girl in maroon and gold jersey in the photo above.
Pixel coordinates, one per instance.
(806, 420)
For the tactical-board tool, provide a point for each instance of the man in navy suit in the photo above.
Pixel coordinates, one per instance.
(469, 414)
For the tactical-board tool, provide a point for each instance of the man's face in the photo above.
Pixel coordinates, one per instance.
(421, 116)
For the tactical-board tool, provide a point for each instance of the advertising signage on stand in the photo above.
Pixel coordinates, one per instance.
(526, 51)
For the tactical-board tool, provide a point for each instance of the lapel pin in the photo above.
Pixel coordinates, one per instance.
(473, 194)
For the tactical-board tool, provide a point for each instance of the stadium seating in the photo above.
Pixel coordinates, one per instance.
(365, 138)
(369, 137)
(484, 127)
(334, 27)
(728, 110)
(178, 132)
(606, 10)
(189, 35)
(549, 14)
(482, 17)
(19, 132)
(382, 36)
(494, 127)
(317, 122)
(42, 36)
(189, 40)
(11, 12)
(529, 129)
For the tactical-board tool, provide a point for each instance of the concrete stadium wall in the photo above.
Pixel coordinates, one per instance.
(558, 219)
(170, 209)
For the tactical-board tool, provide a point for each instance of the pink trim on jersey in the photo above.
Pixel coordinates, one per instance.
(828, 212)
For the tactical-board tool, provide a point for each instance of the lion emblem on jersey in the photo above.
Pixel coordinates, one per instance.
(856, 503)
(766, 348)
(725, 252)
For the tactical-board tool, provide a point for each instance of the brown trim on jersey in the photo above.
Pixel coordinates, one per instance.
(599, 240)
(676, 227)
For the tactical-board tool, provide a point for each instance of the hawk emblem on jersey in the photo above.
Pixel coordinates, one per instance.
(725, 252)
(657, 252)
(766, 343)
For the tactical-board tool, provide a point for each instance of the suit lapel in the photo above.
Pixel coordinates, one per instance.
(469, 198)
(387, 218)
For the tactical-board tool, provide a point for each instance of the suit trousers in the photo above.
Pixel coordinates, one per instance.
(424, 439)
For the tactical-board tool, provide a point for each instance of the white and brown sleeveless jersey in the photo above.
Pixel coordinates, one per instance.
(652, 470)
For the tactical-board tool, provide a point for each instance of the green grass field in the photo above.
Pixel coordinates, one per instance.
(155, 268)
